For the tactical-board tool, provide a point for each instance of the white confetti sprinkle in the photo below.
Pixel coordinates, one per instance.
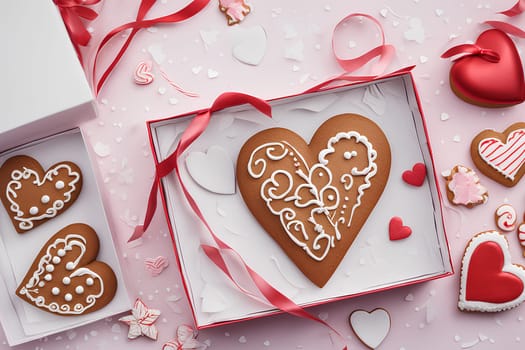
(352, 44)
(157, 53)
(102, 150)
(409, 297)
(416, 32)
(209, 37)
(289, 31)
(423, 59)
(439, 12)
(266, 343)
(116, 328)
(444, 116)
(456, 138)
(242, 339)
(196, 70)
(212, 74)
(457, 338)
(323, 316)
(383, 12)
(161, 90)
(295, 51)
(173, 101)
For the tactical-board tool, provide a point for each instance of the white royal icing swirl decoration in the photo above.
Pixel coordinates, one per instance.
(27, 223)
(316, 193)
(31, 289)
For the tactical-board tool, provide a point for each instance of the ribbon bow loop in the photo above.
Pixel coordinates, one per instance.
(463, 50)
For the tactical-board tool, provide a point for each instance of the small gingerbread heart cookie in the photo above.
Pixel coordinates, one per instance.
(501, 155)
(65, 277)
(32, 195)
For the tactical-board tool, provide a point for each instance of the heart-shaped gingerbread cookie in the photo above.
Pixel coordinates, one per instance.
(32, 196)
(313, 199)
(501, 156)
(65, 279)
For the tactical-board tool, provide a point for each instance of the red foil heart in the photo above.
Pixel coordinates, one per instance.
(481, 80)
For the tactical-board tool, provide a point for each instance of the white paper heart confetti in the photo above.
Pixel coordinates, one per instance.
(222, 179)
(250, 45)
(370, 327)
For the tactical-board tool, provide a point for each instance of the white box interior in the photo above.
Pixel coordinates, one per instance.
(372, 263)
(23, 322)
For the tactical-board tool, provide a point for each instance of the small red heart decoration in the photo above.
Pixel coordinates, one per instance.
(416, 176)
(396, 230)
(489, 281)
(484, 82)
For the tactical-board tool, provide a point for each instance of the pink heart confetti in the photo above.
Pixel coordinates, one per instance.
(156, 265)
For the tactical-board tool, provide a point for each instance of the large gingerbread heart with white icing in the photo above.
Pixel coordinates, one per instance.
(32, 196)
(65, 277)
(501, 156)
(313, 199)
(490, 282)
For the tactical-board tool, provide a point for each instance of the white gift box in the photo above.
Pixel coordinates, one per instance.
(372, 263)
(45, 98)
(42, 78)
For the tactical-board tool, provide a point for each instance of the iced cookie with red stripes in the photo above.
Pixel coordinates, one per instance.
(501, 155)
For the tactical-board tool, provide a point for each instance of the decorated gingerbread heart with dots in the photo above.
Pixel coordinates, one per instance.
(65, 277)
(313, 199)
(31, 195)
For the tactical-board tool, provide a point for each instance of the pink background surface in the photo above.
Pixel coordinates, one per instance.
(422, 315)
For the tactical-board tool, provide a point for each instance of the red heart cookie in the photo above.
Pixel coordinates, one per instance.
(488, 82)
(32, 196)
(416, 176)
(489, 281)
(396, 230)
(313, 199)
(65, 279)
(501, 156)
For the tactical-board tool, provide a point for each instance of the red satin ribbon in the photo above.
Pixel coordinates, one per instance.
(507, 28)
(197, 127)
(188, 11)
(471, 50)
(72, 12)
(385, 52)
(515, 10)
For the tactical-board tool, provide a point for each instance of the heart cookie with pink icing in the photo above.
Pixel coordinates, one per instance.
(501, 155)
(65, 278)
(32, 195)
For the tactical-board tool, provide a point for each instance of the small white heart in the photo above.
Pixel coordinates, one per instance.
(222, 177)
(212, 73)
(250, 45)
(370, 327)
(196, 70)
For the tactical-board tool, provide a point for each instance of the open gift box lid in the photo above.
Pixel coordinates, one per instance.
(45, 90)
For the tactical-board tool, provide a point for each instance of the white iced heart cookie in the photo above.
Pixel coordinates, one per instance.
(370, 327)
(32, 196)
(65, 278)
(212, 170)
(313, 199)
